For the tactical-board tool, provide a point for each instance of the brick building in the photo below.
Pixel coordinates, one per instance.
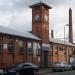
(53, 50)
(60, 51)
(35, 47)
(18, 46)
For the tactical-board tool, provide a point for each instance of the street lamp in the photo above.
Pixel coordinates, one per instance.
(64, 31)
(64, 43)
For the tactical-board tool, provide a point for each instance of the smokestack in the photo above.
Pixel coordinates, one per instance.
(52, 34)
(70, 26)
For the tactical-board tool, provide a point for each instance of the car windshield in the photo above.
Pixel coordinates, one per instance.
(73, 62)
(57, 62)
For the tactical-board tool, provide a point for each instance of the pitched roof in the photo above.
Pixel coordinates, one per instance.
(10, 31)
(60, 42)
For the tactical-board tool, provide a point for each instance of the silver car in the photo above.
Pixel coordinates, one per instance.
(1, 72)
(61, 66)
(73, 65)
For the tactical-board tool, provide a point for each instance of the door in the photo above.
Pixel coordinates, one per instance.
(46, 59)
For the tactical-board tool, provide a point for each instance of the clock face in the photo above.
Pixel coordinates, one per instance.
(46, 18)
(37, 17)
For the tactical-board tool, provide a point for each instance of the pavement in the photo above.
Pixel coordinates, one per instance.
(43, 71)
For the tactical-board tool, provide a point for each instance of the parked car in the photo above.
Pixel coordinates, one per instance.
(22, 69)
(61, 66)
(25, 65)
(28, 67)
(10, 70)
(1, 72)
(73, 64)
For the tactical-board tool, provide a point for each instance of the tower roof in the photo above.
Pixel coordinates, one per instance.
(40, 4)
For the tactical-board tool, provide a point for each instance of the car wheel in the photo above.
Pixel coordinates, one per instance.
(17, 73)
(71, 68)
(35, 73)
(63, 69)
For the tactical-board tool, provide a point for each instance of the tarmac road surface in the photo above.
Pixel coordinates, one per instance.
(61, 73)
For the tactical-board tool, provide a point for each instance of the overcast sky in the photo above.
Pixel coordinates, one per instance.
(16, 14)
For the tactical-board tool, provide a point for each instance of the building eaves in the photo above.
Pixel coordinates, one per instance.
(60, 42)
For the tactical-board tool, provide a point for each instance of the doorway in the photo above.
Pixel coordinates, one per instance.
(46, 59)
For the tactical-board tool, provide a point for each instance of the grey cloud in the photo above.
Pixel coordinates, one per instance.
(15, 5)
(19, 5)
(60, 3)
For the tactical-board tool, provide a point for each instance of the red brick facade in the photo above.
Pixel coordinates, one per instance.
(40, 22)
(59, 52)
(7, 59)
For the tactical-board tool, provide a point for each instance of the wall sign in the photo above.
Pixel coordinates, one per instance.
(4, 46)
(45, 47)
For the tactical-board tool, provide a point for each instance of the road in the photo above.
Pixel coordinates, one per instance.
(61, 73)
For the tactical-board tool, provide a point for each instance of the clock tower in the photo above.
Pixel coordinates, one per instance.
(40, 21)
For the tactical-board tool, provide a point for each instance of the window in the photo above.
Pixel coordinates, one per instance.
(30, 48)
(61, 48)
(64, 52)
(34, 49)
(21, 47)
(56, 48)
(38, 48)
(50, 52)
(72, 49)
(10, 44)
(51, 47)
(56, 52)
(0, 44)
